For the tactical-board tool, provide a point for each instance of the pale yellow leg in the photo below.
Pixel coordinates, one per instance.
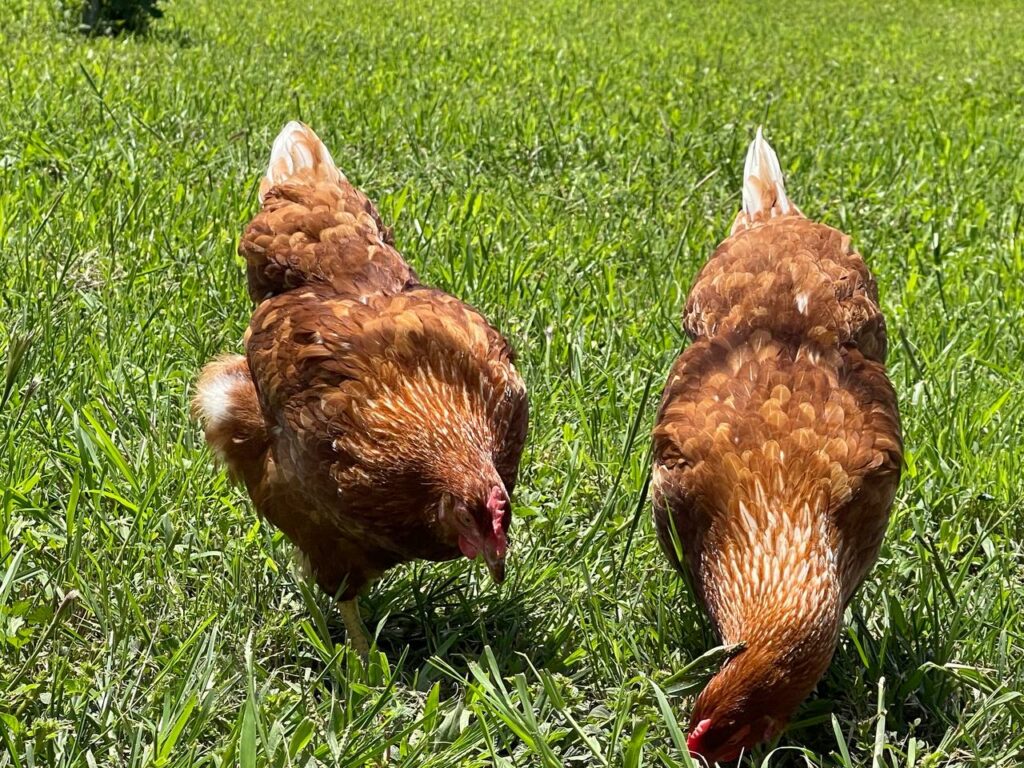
(354, 626)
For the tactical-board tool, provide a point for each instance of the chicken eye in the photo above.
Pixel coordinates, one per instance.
(465, 519)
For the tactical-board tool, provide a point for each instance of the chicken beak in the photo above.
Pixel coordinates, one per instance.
(494, 556)
(496, 565)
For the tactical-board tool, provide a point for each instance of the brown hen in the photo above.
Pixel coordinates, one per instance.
(372, 419)
(777, 455)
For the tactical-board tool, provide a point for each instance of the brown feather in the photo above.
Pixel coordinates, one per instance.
(777, 455)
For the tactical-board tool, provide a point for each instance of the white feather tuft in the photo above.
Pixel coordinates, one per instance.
(762, 169)
(296, 149)
(216, 399)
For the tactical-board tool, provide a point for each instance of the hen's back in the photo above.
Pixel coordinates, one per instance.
(799, 280)
(316, 229)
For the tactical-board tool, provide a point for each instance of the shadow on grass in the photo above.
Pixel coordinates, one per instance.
(447, 616)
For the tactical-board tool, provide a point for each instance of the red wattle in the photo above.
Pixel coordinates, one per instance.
(468, 548)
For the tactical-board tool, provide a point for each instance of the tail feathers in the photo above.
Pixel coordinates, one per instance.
(228, 407)
(298, 154)
(764, 190)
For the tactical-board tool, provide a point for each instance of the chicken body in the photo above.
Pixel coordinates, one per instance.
(777, 455)
(372, 419)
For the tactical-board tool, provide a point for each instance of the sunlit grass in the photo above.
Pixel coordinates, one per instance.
(567, 168)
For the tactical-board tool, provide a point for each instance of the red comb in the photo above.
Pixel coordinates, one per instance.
(693, 740)
(497, 504)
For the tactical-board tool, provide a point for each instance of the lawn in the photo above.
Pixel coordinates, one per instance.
(566, 167)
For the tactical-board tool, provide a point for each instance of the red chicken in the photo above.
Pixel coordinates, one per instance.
(372, 419)
(777, 455)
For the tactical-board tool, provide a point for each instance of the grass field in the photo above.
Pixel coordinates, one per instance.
(567, 167)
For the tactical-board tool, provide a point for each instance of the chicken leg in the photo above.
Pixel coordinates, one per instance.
(354, 626)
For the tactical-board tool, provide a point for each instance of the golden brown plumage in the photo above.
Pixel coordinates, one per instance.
(374, 420)
(777, 455)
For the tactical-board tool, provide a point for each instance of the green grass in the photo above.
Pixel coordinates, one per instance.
(566, 167)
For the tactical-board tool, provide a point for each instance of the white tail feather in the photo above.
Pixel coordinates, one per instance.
(298, 149)
(762, 168)
(764, 189)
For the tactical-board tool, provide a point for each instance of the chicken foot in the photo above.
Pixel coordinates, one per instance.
(354, 626)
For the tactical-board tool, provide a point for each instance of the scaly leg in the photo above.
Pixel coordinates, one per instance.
(354, 626)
